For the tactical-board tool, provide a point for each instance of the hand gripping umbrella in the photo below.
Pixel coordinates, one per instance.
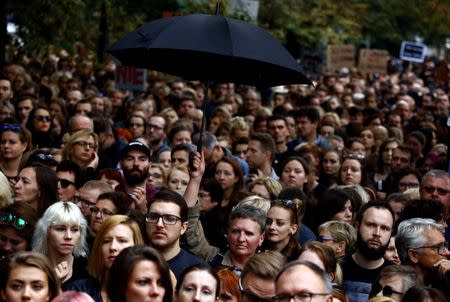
(209, 48)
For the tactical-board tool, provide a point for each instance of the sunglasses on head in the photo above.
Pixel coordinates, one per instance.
(14, 128)
(42, 118)
(65, 183)
(285, 202)
(17, 222)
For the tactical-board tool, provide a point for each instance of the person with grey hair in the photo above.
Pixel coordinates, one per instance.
(302, 281)
(245, 233)
(214, 153)
(394, 281)
(61, 235)
(420, 243)
(258, 276)
(339, 235)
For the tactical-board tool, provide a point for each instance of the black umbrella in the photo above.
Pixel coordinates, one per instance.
(210, 47)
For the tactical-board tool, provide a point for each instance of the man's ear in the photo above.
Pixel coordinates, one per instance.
(184, 226)
(413, 256)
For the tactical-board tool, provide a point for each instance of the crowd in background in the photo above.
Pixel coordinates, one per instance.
(350, 174)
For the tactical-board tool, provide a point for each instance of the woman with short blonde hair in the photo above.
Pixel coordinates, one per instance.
(82, 148)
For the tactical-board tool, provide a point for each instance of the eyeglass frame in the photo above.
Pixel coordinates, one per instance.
(43, 118)
(430, 190)
(163, 217)
(104, 212)
(84, 202)
(12, 219)
(85, 144)
(307, 298)
(439, 247)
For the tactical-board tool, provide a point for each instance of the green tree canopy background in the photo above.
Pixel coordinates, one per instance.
(298, 24)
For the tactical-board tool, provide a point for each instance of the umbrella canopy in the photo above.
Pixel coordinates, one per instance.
(210, 47)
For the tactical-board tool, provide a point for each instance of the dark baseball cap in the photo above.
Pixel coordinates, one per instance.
(135, 145)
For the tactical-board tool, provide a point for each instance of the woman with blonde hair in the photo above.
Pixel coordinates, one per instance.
(82, 148)
(178, 178)
(266, 187)
(61, 235)
(6, 197)
(116, 233)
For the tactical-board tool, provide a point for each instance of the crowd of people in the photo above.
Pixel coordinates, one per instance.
(334, 192)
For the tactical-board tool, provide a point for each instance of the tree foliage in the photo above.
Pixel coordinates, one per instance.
(299, 24)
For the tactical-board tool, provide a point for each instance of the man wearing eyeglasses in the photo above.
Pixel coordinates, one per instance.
(420, 243)
(156, 134)
(166, 221)
(436, 185)
(302, 281)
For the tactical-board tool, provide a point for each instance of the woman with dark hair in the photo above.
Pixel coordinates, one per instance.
(133, 265)
(17, 223)
(137, 125)
(26, 275)
(408, 179)
(368, 138)
(111, 176)
(294, 172)
(336, 204)
(282, 226)
(230, 176)
(353, 171)
(331, 164)
(383, 166)
(212, 217)
(37, 186)
(39, 123)
(15, 140)
(197, 283)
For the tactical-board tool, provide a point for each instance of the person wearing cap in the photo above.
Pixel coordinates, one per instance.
(135, 163)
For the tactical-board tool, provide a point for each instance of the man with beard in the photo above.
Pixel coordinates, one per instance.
(374, 223)
(135, 166)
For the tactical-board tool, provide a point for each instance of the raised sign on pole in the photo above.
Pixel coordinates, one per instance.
(373, 60)
(131, 78)
(413, 51)
(339, 56)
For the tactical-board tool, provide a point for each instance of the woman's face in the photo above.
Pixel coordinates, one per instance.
(225, 175)
(387, 152)
(26, 283)
(41, 120)
(351, 172)
(136, 126)
(278, 225)
(331, 163)
(55, 109)
(294, 174)
(114, 183)
(261, 191)
(346, 214)
(178, 181)
(83, 149)
(155, 176)
(206, 202)
(114, 241)
(144, 283)
(368, 138)
(214, 124)
(198, 286)
(391, 252)
(63, 238)
(358, 148)
(165, 160)
(10, 145)
(171, 117)
(26, 188)
(103, 209)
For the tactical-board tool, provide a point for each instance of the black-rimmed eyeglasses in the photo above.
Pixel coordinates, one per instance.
(167, 219)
